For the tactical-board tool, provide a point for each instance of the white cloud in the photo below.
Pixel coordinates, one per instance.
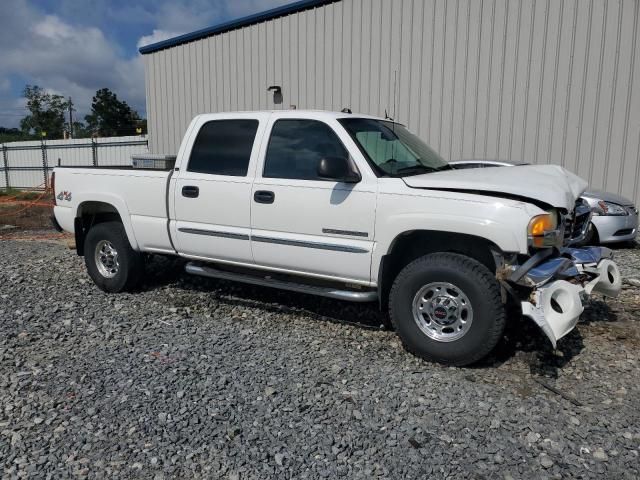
(67, 53)
(69, 59)
(156, 36)
(178, 17)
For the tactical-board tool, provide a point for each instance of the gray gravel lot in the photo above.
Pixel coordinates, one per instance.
(193, 378)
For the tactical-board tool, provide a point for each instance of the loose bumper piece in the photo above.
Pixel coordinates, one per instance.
(588, 255)
(608, 281)
(555, 308)
(560, 284)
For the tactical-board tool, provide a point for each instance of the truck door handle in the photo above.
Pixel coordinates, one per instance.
(264, 196)
(190, 191)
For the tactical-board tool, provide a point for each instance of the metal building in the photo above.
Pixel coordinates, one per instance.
(539, 81)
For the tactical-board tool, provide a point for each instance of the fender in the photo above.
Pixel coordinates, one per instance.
(116, 202)
(497, 233)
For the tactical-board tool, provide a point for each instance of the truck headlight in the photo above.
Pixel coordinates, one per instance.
(543, 231)
(608, 208)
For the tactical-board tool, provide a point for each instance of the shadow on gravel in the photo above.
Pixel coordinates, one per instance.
(597, 311)
(522, 337)
(630, 245)
(164, 271)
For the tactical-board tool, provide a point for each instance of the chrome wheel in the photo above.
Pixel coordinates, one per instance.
(442, 311)
(106, 258)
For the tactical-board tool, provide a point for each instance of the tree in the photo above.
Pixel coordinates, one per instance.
(142, 125)
(80, 130)
(111, 117)
(13, 135)
(46, 113)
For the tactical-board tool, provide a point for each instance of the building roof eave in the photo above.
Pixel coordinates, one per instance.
(234, 24)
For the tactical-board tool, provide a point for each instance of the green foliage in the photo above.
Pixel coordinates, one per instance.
(110, 116)
(13, 135)
(80, 130)
(46, 113)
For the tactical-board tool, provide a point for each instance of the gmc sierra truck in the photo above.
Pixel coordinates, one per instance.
(351, 207)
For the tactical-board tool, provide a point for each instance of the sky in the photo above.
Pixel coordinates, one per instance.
(75, 47)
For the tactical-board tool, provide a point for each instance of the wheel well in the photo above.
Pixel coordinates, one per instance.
(409, 246)
(90, 214)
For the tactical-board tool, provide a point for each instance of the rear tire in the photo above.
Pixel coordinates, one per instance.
(447, 308)
(111, 262)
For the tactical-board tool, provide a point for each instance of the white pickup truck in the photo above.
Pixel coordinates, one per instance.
(355, 208)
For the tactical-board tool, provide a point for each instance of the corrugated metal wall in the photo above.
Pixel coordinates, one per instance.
(540, 81)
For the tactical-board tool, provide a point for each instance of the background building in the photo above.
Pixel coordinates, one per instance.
(539, 81)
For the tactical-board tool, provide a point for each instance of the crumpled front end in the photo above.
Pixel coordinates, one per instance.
(557, 282)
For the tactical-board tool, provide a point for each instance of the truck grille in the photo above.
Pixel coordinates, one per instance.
(577, 223)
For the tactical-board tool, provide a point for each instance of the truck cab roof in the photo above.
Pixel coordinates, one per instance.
(294, 113)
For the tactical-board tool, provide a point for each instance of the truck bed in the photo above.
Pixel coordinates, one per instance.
(145, 212)
(115, 167)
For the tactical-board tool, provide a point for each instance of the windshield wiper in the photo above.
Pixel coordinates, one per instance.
(442, 168)
(415, 169)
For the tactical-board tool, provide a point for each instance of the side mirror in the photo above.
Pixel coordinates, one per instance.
(337, 169)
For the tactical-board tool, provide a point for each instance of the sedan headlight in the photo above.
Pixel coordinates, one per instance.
(608, 208)
(543, 231)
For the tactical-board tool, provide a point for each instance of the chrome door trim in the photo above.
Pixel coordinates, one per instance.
(277, 241)
(317, 245)
(214, 233)
(333, 231)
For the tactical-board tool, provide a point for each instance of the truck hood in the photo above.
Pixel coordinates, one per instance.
(550, 184)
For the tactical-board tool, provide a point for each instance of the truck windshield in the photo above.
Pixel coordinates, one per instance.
(392, 149)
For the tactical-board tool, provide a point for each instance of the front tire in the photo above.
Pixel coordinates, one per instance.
(111, 262)
(447, 308)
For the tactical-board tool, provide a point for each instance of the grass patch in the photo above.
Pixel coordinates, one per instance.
(33, 217)
(19, 194)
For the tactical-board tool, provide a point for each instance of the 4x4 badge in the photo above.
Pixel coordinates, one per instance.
(64, 196)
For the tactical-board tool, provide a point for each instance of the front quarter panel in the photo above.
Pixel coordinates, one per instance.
(403, 209)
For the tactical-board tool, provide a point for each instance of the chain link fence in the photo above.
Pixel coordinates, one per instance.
(28, 165)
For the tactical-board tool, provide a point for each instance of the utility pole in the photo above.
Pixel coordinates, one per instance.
(70, 118)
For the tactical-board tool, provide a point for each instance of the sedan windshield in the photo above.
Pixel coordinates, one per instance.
(392, 149)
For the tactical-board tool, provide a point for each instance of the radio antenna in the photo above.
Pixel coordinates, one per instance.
(393, 121)
(386, 114)
(395, 75)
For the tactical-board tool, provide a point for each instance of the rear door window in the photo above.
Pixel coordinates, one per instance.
(223, 147)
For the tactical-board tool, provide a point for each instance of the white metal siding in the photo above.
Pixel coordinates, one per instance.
(539, 81)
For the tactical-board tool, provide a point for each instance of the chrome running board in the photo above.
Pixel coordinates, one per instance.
(267, 281)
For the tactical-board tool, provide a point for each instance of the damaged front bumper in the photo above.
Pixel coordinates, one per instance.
(559, 280)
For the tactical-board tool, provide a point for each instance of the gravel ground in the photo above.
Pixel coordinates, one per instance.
(193, 378)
